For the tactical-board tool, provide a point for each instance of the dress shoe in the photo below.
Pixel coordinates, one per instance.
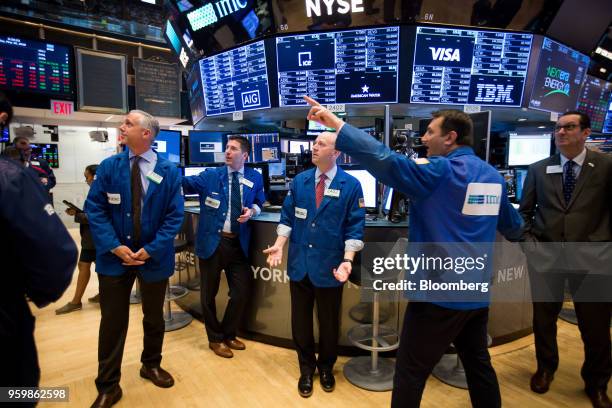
(305, 385)
(157, 375)
(234, 344)
(599, 399)
(327, 380)
(540, 381)
(69, 307)
(221, 349)
(108, 399)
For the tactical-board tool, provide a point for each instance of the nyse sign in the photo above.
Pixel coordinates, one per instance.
(326, 7)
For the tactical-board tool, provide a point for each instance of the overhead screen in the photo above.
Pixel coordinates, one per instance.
(458, 66)
(593, 100)
(36, 66)
(168, 145)
(195, 93)
(236, 80)
(353, 66)
(265, 147)
(559, 76)
(102, 81)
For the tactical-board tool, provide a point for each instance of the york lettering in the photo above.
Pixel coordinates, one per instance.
(344, 6)
(494, 93)
(445, 54)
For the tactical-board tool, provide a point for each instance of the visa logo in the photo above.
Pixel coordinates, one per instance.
(250, 98)
(494, 93)
(445, 54)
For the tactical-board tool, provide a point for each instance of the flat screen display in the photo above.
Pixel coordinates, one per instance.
(205, 146)
(314, 128)
(168, 145)
(607, 126)
(265, 147)
(525, 149)
(298, 146)
(236, 80)
(458, 66)
(519, 176)
(593, 100)
(355, 66)
(559, 77)
(368, 185)
(602, 144)
(47, 152)
(5, 134)
(36, 66)
(173, 38)
(195, 94)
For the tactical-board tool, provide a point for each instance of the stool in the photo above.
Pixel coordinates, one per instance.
(177, 320)
(135, 297)
(450, 369)
(372, 372)
(180, 248)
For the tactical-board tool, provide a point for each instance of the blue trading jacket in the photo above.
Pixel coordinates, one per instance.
(111, 219)
(212, 186)
(316, 244)
(445, 194)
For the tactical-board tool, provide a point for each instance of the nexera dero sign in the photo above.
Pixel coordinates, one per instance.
(320, 8)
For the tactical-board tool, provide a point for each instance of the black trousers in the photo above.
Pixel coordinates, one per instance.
(229, 257)
(115, 308)
(427, 333)
(593, 323)
(303, 297)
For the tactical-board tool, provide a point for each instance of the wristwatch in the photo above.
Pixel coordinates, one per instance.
(348, 260)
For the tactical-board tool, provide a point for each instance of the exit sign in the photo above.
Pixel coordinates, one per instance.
(62, 108)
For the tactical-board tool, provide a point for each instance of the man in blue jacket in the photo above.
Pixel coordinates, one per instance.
(444, 191)
(229, 197)
(323, 218)
(37, 263)
(135, 210)
(38, 165)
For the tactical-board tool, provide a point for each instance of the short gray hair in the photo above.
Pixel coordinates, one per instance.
(147, 121)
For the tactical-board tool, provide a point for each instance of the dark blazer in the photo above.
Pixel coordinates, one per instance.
(586, 218)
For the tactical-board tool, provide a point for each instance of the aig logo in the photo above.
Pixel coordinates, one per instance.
(250, 99)
(305, 59)
(445, 54)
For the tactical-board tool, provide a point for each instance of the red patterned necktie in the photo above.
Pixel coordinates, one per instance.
(320, 190)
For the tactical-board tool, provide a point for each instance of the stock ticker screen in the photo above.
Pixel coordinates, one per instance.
(559, 76)
(35, 66)
(458, 66)
(594, 100)
(607, 125)
(236, 80)
(355, 66)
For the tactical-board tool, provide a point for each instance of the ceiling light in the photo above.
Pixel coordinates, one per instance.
(522, 119)
(603, 70)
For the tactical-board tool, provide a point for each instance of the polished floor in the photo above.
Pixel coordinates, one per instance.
(262, 375)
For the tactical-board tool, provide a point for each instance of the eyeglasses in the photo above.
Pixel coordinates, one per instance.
(567, 128)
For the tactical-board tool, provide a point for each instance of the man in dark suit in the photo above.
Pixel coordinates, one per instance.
(135, 209)
(229, 197)
(566, 203)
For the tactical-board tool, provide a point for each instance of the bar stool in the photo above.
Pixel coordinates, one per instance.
(372, 372)
(450, 369)
(135, 296)
(176, 320)
(180, 248)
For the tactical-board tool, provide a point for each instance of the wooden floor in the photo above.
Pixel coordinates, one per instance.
(263, 375)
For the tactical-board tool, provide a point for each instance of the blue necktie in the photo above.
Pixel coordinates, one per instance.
(235, 203)
(569, 181)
